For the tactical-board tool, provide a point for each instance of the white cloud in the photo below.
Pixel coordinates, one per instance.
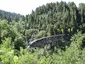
(26, 6)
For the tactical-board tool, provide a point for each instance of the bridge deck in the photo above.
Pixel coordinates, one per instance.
(41, 42)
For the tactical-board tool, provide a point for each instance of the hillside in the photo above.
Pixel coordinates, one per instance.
(52, 34)
(58, 18)
(10, 16)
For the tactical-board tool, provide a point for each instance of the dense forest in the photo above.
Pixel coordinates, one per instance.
(10, 16)
(16, 31)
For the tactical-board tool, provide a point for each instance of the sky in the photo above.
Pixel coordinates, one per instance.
(26, 6)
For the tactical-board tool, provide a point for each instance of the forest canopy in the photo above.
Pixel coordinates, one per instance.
(16, 31)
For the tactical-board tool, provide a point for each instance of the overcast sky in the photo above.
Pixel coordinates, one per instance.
(26, 6)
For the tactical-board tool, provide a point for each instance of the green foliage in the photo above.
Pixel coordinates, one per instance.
(31, 32)
(10, 16)
(46, 20)
(60, 15)
(14, 31)
(41, 33)
(74, 54)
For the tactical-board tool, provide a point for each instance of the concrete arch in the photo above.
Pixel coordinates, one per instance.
(46, 40)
